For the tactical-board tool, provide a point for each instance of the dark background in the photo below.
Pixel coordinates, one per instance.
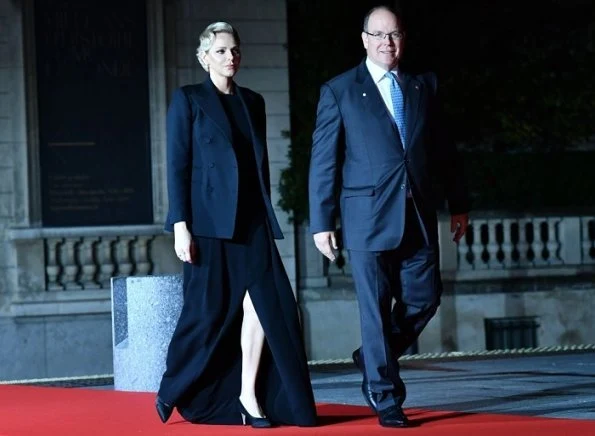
(515, 79)
(92, 83)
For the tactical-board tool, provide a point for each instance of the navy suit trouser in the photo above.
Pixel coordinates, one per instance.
(398, 292)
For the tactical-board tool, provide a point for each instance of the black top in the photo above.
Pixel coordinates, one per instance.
(251, 208)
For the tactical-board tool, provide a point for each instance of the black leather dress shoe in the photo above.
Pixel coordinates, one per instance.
(393, 416)
(366, 391)
(164, 410)
(369, 396)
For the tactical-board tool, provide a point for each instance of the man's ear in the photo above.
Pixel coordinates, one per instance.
(365, 40)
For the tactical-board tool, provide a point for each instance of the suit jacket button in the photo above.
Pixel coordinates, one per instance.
(211, 165)
(209, 140)
(403, 186)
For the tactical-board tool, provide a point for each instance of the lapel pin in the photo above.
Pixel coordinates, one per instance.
(417, 87)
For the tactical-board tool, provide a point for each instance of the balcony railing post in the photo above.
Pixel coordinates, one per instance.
(449, 251)
(570, 240)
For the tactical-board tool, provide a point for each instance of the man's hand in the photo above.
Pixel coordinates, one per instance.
(183, 243)
(326, 242)
(458, 226)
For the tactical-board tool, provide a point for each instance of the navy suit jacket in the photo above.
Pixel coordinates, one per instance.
(359, 169)
(202, 170)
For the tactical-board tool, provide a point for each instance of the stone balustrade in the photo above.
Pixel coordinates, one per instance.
(89, 262)
(528, 242)
(55, 259)
(86, 258)
(526, 246)
(494, 247)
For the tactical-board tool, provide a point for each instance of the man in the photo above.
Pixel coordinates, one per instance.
(378, 142)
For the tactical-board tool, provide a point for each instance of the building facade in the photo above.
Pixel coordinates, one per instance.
(60, 241)
(77, 209)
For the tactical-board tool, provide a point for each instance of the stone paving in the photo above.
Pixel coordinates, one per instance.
(554, 385)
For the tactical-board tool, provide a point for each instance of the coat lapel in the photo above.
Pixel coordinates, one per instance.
(413, 90)
(212, 106)
(373, 102)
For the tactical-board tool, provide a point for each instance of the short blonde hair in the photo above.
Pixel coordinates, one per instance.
(207, 37)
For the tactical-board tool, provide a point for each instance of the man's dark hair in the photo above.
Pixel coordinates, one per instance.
(386, 8)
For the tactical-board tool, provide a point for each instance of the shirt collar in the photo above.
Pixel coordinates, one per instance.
(377, 72)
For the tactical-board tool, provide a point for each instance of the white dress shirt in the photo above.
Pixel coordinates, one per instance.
(382, 83)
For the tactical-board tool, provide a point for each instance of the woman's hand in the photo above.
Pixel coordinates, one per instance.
(183, 244)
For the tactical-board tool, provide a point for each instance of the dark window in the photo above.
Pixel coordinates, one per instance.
(509, 333)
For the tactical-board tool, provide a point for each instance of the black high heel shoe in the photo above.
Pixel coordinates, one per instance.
(253, 420)
(164, 410)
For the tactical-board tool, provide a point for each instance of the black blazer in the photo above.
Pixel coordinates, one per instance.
(357, 152)
(202, 171)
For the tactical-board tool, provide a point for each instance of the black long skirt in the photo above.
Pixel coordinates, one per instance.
(204, 361)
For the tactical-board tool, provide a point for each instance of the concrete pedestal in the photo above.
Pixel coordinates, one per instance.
(144, 314)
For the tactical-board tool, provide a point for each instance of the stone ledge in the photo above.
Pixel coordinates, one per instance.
(49, 303)
(520, 285)
(513, 274)
(342, 287)
(16, 234)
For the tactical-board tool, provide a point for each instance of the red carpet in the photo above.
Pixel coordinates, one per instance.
(26, 410)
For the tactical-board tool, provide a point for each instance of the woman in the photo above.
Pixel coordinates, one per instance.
(236, 355)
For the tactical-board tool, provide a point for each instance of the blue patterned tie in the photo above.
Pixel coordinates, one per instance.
(396, 96)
